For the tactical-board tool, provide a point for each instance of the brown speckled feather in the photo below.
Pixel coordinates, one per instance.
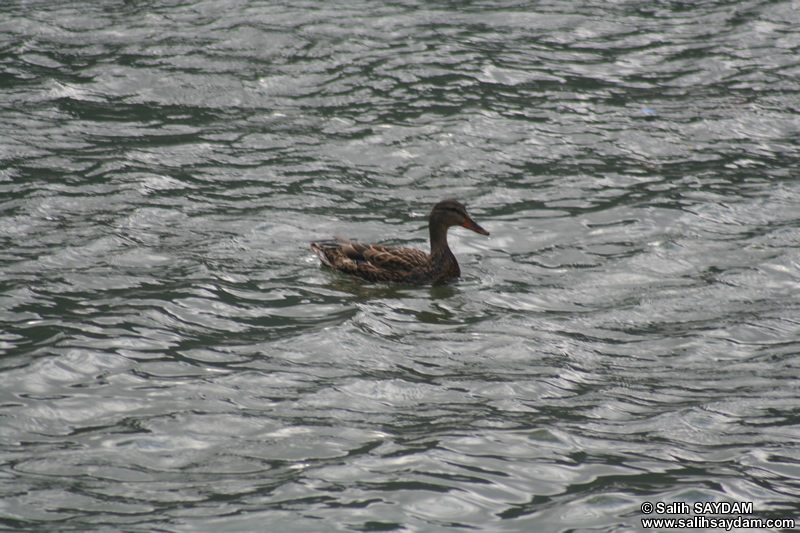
(388, 257)
(375, 262)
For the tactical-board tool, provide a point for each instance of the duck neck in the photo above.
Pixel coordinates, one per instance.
(439, 240)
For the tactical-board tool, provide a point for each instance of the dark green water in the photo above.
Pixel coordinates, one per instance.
(174, 359)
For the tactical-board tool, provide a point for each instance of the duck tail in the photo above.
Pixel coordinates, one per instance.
(327, 251)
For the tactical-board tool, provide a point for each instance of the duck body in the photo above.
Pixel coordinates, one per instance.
(379, 263)
(375, 262)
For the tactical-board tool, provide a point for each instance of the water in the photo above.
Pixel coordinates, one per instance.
(174, 359)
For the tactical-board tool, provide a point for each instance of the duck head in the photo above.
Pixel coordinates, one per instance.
(453, 213)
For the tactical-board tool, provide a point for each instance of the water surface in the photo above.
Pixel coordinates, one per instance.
(175, 359)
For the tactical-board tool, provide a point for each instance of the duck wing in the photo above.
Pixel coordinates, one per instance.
(390, 258)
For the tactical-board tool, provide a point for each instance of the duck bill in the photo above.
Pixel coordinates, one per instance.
(471, 224)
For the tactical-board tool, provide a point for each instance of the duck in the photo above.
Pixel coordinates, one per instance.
(395, 264)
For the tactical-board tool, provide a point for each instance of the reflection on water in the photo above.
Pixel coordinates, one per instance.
(174, 358)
